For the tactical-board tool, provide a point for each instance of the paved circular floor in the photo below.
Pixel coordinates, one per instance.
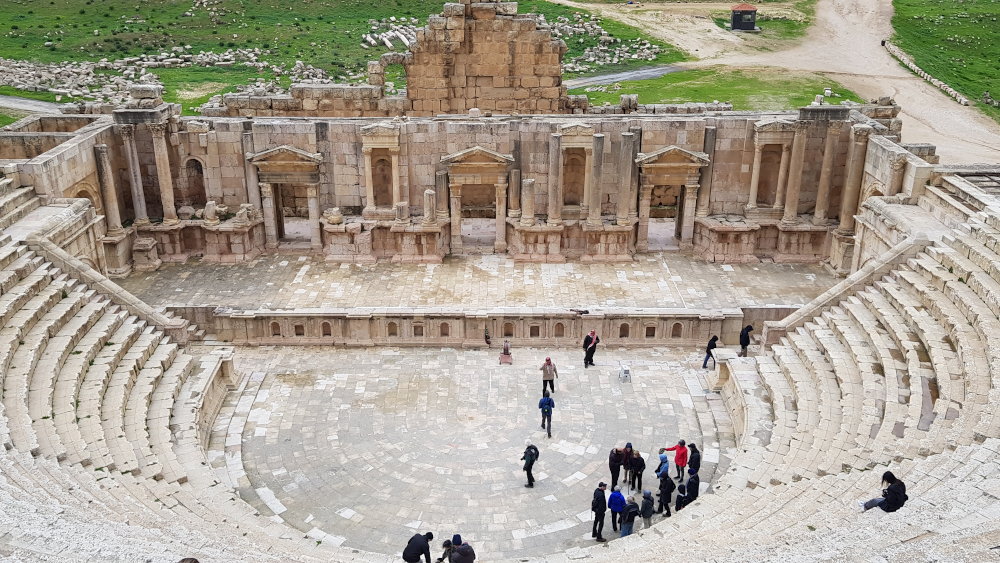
(363, 447)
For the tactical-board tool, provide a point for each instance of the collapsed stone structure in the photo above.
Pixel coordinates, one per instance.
(104, 414)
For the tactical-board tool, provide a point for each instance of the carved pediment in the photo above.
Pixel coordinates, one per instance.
(672, 155)
(285, 154)
(774, 126)
(477, 155)
(381, 129)
(576, 130)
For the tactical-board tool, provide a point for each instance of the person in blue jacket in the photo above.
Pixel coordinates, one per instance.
(546, 405)
(616, 503)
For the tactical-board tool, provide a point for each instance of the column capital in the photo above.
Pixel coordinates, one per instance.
(157, 128)
(861, 133)
(897, 162)
(127, 131)
(366, 150)
(835, 127)
(101, 149)
(786, 147)
(265, 190)
(800, 126)
(312, 190)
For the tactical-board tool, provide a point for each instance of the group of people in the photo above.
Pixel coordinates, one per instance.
(455, 550)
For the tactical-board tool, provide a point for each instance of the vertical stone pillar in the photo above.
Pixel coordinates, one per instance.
(779, 198)
(528, 202)
(691, 190)
(625, 166)
(898, 164)
(135, 174)
(758, 151)
(500, 244)
(596, 183)
(270, 219)
(514, 194)
(369, 183)
(791, 215)
(315, 229)
(833, 129)
(645, 194)
(707, 172)
(555, 194)
(402, 212)
(163, 177)
(397, 196)
(250, 171)
(855, 172)
(455, 193)
(633, 198)
(441, 189)
(108, 190)
(588, 182)
(430, 213)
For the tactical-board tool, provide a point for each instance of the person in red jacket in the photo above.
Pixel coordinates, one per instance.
(680, 457)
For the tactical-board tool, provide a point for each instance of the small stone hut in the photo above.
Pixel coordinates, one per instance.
(744, 17)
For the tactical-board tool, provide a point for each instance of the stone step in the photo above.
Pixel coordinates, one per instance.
(10, 253)
(19, 212)
(12, 199)
(14, 300)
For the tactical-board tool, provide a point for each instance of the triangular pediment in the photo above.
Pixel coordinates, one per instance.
(673, 155)
(286, 153)
(576, 129)
(477, 155)
(780, 125)
(381, 129)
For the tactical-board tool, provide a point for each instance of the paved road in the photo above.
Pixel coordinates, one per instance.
(27, 105)
(638, 74)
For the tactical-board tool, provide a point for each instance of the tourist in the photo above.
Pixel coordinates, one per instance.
(627, 463)
(446, 554)
(682, 499)
(546, 404)
(893, 496)
(680, 457)
(708, 351)
(745, 340)
(628, 515)
(636, 468)
(529, 457)
(418, 545)
(590, 343)
(693, 485)
(616, 503)
(615, 461)
(461, 552)
(549, 375)
(599, 506)
(694, 458)
(666, 488)
(646, 511)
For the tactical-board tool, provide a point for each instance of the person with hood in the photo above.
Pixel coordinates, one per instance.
(646, 510)
(590, 343)
(461, 552)
(682, 498)
(693, 485)
(694, 458)
(629, 513)
(599, 506)
(616, 502)
(627, 463)
(680, 457)
(615, 461)
(446, 554)
(529, 457)
(745, 340)
(418, 545)
(712, 345)
(666, 485)
(549, 375)
(546, 404)
(893, 496)
(636, 469)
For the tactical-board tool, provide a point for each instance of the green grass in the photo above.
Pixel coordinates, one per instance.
(7, 119)
(31, 95)
(955, 41)
(747, 90)
(193, 86)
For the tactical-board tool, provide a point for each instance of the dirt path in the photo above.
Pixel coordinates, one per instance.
(28, 105)
(610, 78)
(844, 43)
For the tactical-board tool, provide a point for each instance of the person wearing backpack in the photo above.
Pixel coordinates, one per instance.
(893, 496)
(629, 513)
(546, 404)
(530, 457)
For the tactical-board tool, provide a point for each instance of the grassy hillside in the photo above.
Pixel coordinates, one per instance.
(956, 41)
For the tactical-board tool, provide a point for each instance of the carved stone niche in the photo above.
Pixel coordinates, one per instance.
(380, 148)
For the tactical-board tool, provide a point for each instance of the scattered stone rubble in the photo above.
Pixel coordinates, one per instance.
(902, 57)
(609, 51)
(392, 33)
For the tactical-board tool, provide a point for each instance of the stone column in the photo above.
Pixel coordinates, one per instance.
(250, 171)
(162, 156)
(691, 190)
(826, 172)
(108, 190)
(625, 165)
(758, 150)
(779, 198)
(396, 195)
(596, 175)
(588, 182)
(369, 185)
(645, 193)
(135, 174)
(898, 164)
(514, 194)
(705, 191)
(555, 180)
(270, 219)
(429, 211)
(441, 189)
(791, 215)
(500, 245)
(855, 172)
(401, 210)
(455, 193)
(315, 228)
(633, 198)
(528, 202)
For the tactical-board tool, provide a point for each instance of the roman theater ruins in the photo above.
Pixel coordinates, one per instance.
(270, 332)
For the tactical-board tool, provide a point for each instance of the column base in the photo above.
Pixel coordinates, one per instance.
(171, 221)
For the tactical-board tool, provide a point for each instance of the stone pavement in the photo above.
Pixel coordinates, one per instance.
(483, 282)
(365, 447)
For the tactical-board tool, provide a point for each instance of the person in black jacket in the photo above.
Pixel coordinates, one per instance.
(600, 507)
(712, 343)
(893, 496)
(745, 340)
(694, 459)
(418, 545)
(530, 457)
(682, 498)
(615, 461)
(636, 468)
(693, 484)
(590, 343)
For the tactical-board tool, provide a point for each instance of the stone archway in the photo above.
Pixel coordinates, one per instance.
(284, 172)
(475, 168)
(673, 174)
